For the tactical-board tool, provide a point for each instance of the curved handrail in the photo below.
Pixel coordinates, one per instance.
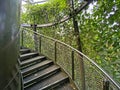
(90, 60)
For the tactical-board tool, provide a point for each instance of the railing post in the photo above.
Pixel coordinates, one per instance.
(35, 37)
(22, 38)
(55, 51)
(82, 72)
(73, 73)
(105, 85)
(21, 81)
(40, 44)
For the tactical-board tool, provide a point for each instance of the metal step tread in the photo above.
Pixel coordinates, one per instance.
(65, 86)
(24, 50)
(28, 55)
(41, 74)
(53, 80)
(36, 66)
(34, 59)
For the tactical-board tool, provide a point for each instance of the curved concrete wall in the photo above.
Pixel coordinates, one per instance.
(9, 39)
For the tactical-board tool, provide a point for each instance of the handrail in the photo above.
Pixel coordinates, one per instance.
(21, 77)
(87, 58)
(11, 81)
(14, 77)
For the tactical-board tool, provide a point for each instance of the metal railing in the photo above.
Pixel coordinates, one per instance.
(86, 74)
(14, 80)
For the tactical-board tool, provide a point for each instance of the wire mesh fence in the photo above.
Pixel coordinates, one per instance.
(86, 74)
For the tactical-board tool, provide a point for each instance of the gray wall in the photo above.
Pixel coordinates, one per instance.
(9, 38)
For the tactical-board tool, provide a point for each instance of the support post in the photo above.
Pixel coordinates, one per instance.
(55, 51)
(73, 73)
(40, 44)
(35, 37)
(22, 38)
(105, 85)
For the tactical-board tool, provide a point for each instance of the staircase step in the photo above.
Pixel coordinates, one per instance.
(65, 86)
(38, 73)
(41, 75)
(28, 55)
(56, 83)
(24, 51)
(32, 60)
(50, 82)
(36, 67)
(22, 47)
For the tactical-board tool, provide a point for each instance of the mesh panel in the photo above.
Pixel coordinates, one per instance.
(86, 74)
(79, 78)
(28, 39)
(47, 47)
(64, 57)
(93, 77)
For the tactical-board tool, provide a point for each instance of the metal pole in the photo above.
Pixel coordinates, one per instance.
(40, 44)
(22, 38)
(35, 37)
(73, 73)
(105, 85)
(55, 51)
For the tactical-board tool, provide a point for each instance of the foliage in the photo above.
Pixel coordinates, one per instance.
(51, 11)
(100, 33)
(99, 29)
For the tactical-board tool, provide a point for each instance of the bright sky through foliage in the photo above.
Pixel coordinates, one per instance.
(40, 1)
(23, 3)
(37, 0)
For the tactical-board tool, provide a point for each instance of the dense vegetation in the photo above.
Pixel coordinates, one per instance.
(99, 29)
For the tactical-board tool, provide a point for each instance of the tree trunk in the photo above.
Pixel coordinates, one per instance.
(79, 47)
(77, 35)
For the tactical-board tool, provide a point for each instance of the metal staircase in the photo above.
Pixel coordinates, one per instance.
(58, 66)
(40, 73)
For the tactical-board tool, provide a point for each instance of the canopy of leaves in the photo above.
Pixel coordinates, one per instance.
(100, 32)
(51, 11)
